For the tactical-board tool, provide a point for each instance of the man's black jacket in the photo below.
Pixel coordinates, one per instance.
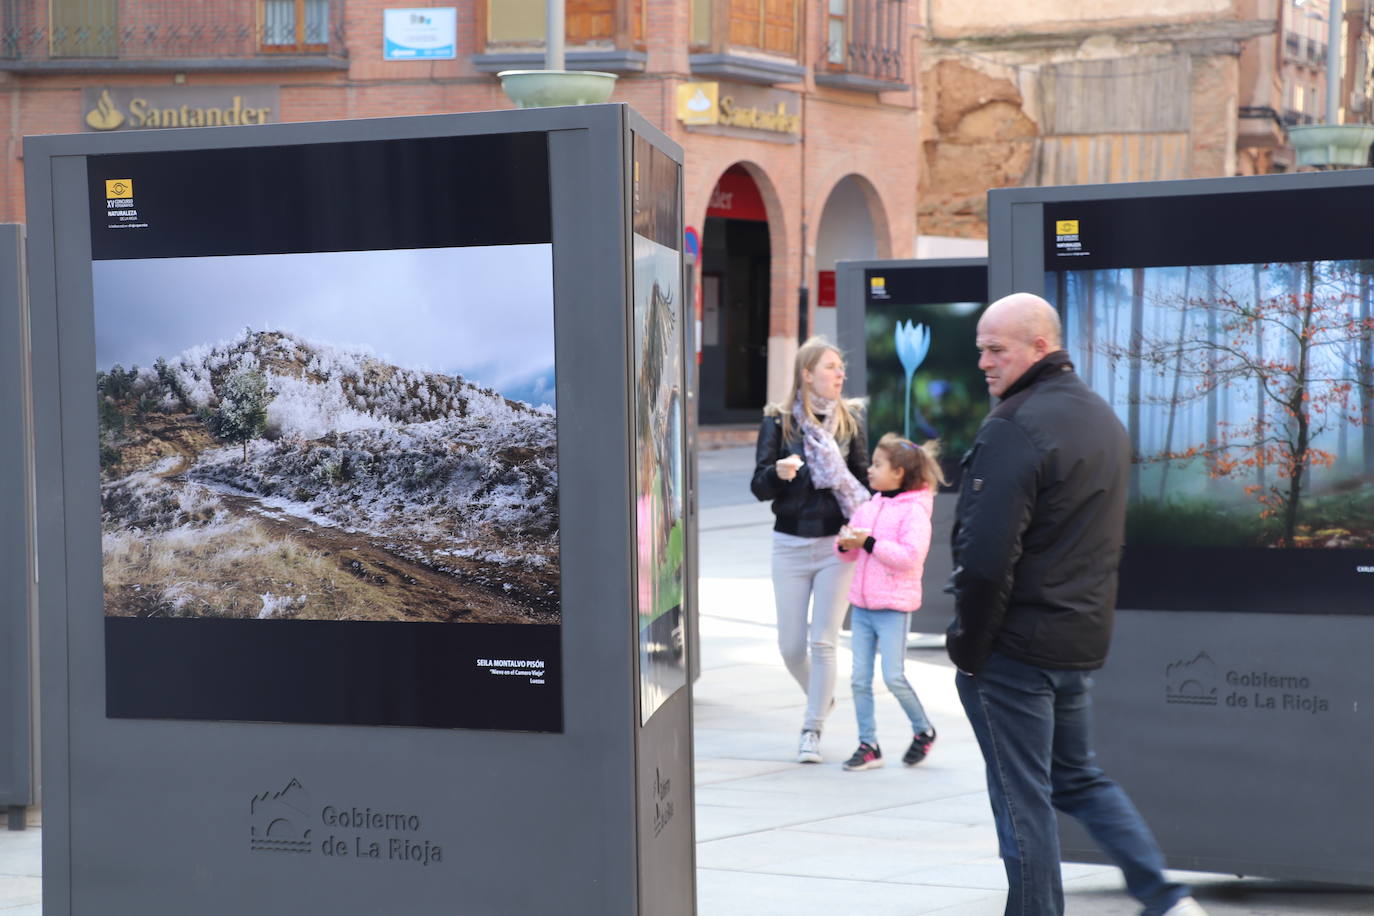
(1039, 525)
(798, 507)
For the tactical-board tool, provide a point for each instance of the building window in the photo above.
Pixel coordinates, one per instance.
(295, 25)
(835, 32)
(765, 25)
(701, 23)
(84, 28)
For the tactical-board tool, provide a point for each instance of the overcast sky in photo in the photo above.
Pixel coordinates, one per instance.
(484, 312)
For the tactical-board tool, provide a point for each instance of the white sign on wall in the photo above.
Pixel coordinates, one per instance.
(428, 33)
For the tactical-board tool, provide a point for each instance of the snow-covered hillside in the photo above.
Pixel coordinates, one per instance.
(429, 467)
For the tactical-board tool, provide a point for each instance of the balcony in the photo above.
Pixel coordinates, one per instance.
(142, 36)
(1302, 50)
(864, 47)
(1292, 44)
(1260, 127)
(748, 41)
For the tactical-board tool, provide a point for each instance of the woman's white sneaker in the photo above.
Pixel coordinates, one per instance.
(809, 751)
(1186, 907)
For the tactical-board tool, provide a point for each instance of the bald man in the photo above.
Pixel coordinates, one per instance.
(1037, 541)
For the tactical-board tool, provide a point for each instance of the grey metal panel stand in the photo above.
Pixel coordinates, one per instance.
(665, 789)
(1271, 779)
(152, 816)
(937, 606)
(1268, 773)
(16, 537)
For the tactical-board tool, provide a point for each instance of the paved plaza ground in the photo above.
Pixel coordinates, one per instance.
(775, 837)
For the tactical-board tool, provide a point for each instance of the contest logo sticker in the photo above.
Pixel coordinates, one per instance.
(120, 212)
(106, 114)
(279, 820)
(1067, 240)
(1192, 682)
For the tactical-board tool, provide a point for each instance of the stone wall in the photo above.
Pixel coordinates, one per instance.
(1052, 92)
(976, 136)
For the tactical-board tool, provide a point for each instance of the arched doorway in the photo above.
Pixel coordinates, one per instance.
(847, 233)
(735, 276)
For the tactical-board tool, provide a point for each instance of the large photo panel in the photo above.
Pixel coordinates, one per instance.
(327, 431)
(1233, 338)
(660, 426)
(922, 369)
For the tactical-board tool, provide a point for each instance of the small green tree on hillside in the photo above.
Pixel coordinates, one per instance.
(242, 413)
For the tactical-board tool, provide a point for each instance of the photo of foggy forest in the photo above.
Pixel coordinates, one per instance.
(1246, 390)
(321, 436)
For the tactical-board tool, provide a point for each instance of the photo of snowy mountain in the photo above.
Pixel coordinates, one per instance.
(332, 436)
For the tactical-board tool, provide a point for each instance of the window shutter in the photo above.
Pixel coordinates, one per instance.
(769, 25)
(589, 20)
(746, 23)
(84, 28)
(780, 28)
(637, 23)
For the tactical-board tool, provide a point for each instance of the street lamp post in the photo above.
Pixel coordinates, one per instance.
(1334, 15)
(555, 85)
(555, 32)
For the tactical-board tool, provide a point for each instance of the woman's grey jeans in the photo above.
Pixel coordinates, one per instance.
(811, 589)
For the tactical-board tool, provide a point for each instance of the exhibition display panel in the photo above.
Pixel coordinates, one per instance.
(366, 538)
(1229, 324)
(907, 329)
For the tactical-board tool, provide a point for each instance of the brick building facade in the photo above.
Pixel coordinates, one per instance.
(803, 154)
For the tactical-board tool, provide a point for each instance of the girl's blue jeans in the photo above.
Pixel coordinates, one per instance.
(884, 633)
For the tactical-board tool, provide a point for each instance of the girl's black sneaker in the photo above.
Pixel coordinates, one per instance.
(867, 757)
(920, 747)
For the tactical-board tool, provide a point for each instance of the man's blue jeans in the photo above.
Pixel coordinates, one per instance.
(882, 632)
(1034, 727)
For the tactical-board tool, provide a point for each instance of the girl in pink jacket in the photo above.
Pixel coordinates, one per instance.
(887, 539)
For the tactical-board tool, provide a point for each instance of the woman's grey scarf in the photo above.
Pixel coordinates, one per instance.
(828, 468)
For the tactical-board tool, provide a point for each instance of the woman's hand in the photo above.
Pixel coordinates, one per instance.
(787, 467)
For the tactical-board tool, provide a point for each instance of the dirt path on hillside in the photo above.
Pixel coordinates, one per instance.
(419, 592)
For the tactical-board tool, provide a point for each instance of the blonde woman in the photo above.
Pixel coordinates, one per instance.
(812, 452)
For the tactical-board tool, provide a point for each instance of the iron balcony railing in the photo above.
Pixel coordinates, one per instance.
(874, 42)
(49, 33)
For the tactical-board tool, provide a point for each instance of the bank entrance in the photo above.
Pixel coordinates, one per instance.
(735, 273)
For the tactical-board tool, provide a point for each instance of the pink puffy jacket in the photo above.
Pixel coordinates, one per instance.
(890, 577)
